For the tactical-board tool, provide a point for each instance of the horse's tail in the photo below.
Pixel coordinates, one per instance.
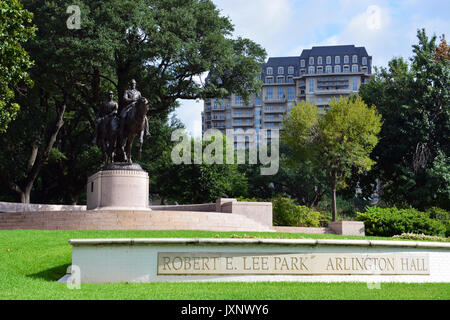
(140, 151)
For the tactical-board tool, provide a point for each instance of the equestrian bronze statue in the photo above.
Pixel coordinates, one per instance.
(114, 133)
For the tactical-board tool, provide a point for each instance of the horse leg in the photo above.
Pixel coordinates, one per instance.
(129, 146)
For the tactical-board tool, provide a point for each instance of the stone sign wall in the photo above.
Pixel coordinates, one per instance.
(171, 263)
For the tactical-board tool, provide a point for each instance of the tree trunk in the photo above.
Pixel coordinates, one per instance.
(333, 181)
(26, 195)
(36, 161)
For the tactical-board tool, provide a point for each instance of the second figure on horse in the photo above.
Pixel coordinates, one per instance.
(114, 133)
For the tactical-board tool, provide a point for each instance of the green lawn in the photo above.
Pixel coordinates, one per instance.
(32, 261)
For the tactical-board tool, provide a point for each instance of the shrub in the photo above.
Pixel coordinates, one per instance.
(421, 237)
(441, 215)
(388, 222)
(287, 213)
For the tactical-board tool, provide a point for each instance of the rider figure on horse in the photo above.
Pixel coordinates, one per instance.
(108, 109)
(130, 97)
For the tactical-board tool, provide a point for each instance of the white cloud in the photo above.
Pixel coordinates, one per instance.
(189, 112)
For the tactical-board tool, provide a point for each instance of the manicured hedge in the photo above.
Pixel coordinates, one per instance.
(392, 221)
(287, 213)
(441, 215)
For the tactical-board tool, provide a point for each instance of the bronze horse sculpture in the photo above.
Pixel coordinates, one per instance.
(116, 142)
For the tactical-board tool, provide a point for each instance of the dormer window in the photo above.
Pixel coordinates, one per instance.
(280, 70)
(355, 59)
(311, 70)
(302, 63)
(355, 68)
(311, 60)
(269, 70)
(290, 70)
(319, 60)
(346, 59)
(337, 69)
(328, 60)
(364, 61)
(328, 69)
(337, 60)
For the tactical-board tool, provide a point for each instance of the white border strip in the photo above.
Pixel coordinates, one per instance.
(282, 242)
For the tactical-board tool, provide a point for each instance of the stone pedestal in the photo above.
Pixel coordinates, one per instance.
(348, 228)
(118, 186)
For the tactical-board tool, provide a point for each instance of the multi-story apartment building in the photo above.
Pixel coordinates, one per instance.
(317, 75)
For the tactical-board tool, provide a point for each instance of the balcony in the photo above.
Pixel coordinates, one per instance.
(275, 119)
(243, 124)
(240, 105)
(275, 100)
(234, 115)
(274, 111)
(333, 92)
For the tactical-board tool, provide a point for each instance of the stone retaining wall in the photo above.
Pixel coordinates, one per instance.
(129, 220)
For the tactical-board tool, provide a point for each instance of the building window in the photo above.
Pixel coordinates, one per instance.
(311, 60)
(280, 79)
(258, 101)
(319, 60)
(355, 59)
(337, 69)
(269, 70)
(280, 70)
(291, 93)
(355, 84)
(364, 69)
(328, 69)
(311, 85)
(290, 80)
(269, 79)
(364, 61)
(238, 100)
(280, 93)
(291, 70)
(328, 60)
(269, 93)
(337, 60)
(346, 59)
(355, 68)
(319, 69)
(311, 70)
(302, 63)
(346, 69)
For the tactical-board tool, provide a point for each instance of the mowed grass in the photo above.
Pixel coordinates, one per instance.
(32, 261)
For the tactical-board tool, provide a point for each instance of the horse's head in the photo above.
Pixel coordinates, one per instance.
(142, 105)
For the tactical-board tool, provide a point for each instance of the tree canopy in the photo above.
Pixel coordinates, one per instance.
(413, 154)
(166, 45)
(15, 29)
(337, 141)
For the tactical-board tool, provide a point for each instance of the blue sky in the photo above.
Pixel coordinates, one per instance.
(286, 27)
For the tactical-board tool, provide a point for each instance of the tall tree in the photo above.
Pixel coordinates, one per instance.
(166, 45)
(337, 141)
(15, 29)
(413, 153)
